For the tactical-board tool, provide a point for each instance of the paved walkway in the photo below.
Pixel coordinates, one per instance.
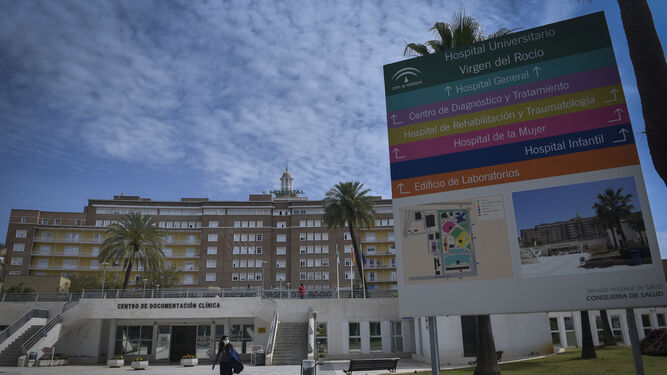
(328, 368)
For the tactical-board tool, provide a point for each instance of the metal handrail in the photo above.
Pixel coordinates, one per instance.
(273, 332)
(41, 333)
(272, 294)
(18, 323)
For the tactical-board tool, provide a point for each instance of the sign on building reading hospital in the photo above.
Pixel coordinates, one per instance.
(509, 160)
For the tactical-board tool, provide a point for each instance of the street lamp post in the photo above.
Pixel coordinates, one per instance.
(104, 276)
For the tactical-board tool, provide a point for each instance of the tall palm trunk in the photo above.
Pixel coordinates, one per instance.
(487, 363)
(128, 271)
(648, 60)
(587, 347)
(357, 256)
(608, 336)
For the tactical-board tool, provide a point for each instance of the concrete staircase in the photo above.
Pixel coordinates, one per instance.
(291, 344)
(11, 354)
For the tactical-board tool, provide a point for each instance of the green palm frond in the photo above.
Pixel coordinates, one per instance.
(415, 49)
(134, 239)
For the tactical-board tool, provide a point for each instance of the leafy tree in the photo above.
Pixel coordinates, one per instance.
(134, 238)
(462, 31)
(19, 289)
(587, 347)
(347, 205)
(165, 278)
(648, 60)
(78, 281)
(611, 207)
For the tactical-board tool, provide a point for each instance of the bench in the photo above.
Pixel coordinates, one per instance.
(372, 364)
(499, 357)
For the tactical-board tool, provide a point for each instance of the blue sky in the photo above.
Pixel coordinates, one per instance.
(172, 99)
(562, 203)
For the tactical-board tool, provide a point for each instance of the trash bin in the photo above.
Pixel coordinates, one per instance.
(308, 367)
(258, 358)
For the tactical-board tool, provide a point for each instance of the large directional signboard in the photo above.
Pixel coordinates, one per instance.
(516, 180)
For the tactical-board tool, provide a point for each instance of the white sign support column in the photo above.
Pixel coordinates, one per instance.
(435, 349)
(634, 340)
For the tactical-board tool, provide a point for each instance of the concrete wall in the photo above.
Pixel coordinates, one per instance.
(10, 311)
(517, 335)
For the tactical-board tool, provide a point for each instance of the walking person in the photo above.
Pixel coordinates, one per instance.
(229, 359)
(302, 291)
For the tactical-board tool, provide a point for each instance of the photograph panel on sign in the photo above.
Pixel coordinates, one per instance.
(458, 240)
(581, 229)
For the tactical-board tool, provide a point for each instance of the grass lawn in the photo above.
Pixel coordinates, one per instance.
(610, 361)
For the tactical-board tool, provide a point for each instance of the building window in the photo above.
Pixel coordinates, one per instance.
(280, 277)
(70, 264)
(325, 275)
(302, 236)
(42, 263)
(347, 237)
(302, 249)
(321, 340)
(77, 222)
(244, 263)
(372, 276)
(318, 275)
(555, 333)
(212, 224)
(244, 250)
(661, 320)
(73, 237)
(133, 340)
(348, 262)
(211, 263)
(71, 250)
(281, 263)
(260, 237)
(281, 238)
(310, 262)
(302, 262)
(94, 264)
(281, 250)
(258, 276)
(281, 224)
(188, 279)
(212, 250)
(646, 323)
(97, 237)
(347, 249)
(212, 237)
(189, 265)
(325, 249)
(570, 336)
(310, 236)
(210, 277)
(396, 337)
(244, 237)
(302, 223)
(44, 249)
(318, 262)
(325, 262)
(376, 337)
(236, 250)
(258, 249)
(310, 249)
(21, 233)
(310, 276)
(46, 221)
(370, 236)
(349, 275)
(302, 276)
(355, 337)
(57, 221)
(19, 247)
(17, 261)
(235, 277)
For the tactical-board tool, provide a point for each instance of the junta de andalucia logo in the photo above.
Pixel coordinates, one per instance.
(406, 77)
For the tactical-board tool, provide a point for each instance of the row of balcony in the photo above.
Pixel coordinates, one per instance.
(99, 241)
(93, 255)
(49, 267)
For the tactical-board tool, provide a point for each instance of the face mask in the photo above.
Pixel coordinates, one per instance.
(225, 342)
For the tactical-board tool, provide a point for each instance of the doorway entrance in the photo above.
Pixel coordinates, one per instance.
(183, 341)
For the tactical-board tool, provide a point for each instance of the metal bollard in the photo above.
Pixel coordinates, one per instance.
(308, 367)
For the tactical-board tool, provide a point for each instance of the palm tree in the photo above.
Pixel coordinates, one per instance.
(347, 205)
(648, 60)
(134, 238)
(462, 31)
(611, 208)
